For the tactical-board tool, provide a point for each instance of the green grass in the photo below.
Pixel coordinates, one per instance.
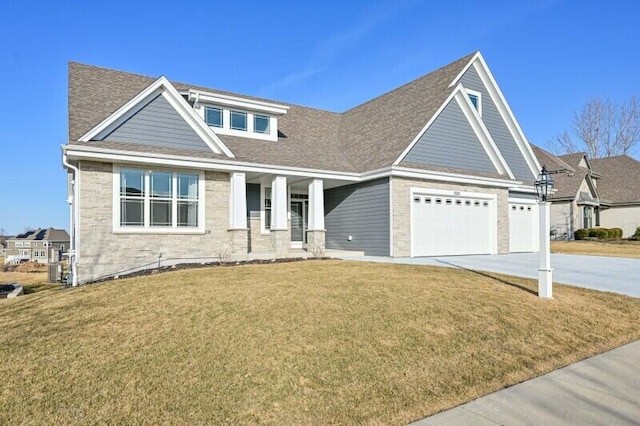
(314, 342)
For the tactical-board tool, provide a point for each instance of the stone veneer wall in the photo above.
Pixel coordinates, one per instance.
(401, 217)
(104, 253)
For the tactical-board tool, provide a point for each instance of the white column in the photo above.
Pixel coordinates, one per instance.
(279, 203)
(237, 201)
(315, 221)
(545, 273)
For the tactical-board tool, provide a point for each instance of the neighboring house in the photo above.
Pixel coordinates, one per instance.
(619, 190)
(575, 202)
(40, 245)
(590, 193)
(3, 245)
(166, 171)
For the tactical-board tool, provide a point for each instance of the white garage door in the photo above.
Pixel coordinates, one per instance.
(523, 226)
(452, 223)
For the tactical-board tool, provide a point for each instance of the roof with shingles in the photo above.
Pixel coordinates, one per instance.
(620, 182)
(370, 136)
(46, 234)
(567, 178)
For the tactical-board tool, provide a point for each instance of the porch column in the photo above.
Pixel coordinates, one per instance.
(239, 234)
(316, 231)
(280, 240)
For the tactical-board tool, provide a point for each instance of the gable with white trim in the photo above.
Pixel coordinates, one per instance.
(157, 123)
(450, 141)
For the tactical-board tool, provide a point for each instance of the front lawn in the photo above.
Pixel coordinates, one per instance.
(32, 282)
(313, 342)
(614, 248)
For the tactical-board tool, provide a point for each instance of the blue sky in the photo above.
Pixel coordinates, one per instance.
(548, 57)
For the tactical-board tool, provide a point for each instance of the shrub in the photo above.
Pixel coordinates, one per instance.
(618, 232)
(592, 232)
(636, 236)
(581, 234)
(602, 233)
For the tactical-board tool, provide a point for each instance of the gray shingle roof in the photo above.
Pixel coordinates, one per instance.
(48, 234)
(620, 182)
(566, 183)
(367, 137)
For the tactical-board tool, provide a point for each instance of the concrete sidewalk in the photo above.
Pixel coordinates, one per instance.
(602, 390)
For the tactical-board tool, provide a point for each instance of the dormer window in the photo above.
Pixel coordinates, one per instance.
(476, 100)
(213, 116)
(239, 120)
(261, 123)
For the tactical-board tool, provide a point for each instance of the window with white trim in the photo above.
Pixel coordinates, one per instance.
(159, 199)
(238, 120)
(213, 116)
(476, 100)
(18, 243)
(27, 243)
(267, 208)
(260, 123)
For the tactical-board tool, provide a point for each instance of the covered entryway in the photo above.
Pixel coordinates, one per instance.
(452, 223)
(523, 226)
(299, 212)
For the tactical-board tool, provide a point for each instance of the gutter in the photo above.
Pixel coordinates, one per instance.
(73, 216)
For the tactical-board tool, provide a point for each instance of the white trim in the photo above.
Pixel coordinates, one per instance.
(481, 131)
(249, 133)
(390, 216)
(238, 102)
(475, 121)
(450, 177)
(163, 87)
(117, 228)
(523, 200)
(263, 228)
(478, 95)
(237, 201)
(504, 110)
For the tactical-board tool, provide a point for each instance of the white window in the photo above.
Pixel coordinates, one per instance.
(158, 200)
(260, 123)
(267, 208)
(238, 120)
(24, 253)
(476, 100)
(18, 243)
(213, 116)
(27, 244)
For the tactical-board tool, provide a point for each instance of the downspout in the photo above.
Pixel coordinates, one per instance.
(73, 215)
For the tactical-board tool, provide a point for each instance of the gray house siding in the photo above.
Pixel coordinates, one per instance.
(158, 124)
(362, 212)
(498, 128)
(524, 195)
(451, 142)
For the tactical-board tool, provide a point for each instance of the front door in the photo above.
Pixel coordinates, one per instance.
(298, 223)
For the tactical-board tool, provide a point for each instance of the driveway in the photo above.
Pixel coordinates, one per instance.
(615, 274)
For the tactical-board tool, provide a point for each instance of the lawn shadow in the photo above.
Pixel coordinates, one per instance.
(488, 275)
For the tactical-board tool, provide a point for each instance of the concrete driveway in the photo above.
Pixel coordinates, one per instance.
(613, 274)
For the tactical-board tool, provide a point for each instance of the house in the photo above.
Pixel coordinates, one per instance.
(591, 193)
(619, 194)
(40, 245)
(161, 171)
(3, 245)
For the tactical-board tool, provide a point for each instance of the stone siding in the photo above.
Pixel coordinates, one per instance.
(401, 217)
(103, 253)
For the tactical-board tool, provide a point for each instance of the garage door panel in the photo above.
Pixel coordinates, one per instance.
(523, 227)
(452, 225)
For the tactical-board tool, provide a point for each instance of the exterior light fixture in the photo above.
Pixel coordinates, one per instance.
(544, 189)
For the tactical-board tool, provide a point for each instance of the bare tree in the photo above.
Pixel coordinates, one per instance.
(603, 129)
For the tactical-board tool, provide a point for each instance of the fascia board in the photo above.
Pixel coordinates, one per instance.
(239, 102)
(505, 112)
(481, 131)
(165, 88)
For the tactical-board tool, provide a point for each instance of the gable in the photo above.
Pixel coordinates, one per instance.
(451, 142)
(498, 128)
(157, 124)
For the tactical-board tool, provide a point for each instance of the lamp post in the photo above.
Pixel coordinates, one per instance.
(544, 189)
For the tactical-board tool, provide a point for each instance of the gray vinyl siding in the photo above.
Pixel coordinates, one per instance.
(362, 211)
(253, 200)
(451, 142)
(498, 128)
(158, 124)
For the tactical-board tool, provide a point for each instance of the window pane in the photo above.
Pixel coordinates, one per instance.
(238, 120)
(187, 186)
(160, 184)
(131, 212)
(267, 218)
(213, 116)
(187, 213)
(161, 213)
(132, 183)
(261, 124)
(474, 101)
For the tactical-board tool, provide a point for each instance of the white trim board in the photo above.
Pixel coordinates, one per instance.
(163, 87)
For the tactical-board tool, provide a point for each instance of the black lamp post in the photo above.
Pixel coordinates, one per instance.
(544, 185)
